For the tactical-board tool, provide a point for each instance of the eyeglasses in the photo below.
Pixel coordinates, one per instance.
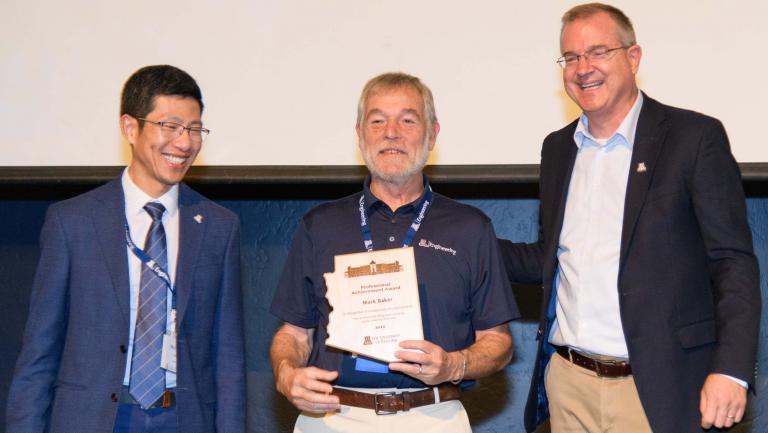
(173, 130)
(570, 60)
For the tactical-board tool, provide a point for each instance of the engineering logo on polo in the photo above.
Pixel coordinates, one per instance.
(428, 244)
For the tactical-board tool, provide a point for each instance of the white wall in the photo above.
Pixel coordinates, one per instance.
(281, 78)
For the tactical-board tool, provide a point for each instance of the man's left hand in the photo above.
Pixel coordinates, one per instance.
(432, 365)
(722, 402)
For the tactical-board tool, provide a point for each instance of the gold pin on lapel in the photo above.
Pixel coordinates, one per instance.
(199, 218)
(641, 167)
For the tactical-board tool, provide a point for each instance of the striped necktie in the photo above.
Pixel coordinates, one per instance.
(147, 377)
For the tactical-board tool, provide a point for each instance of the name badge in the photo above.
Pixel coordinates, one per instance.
(168, 357)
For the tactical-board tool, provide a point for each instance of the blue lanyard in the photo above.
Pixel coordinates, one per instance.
(369, 365)
(151, 264)
(365, 226)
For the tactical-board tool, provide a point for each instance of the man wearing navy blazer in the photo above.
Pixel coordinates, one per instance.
(651, 304)
(135, 323)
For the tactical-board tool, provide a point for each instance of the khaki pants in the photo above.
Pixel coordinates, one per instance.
(580, 401)
(445, 417)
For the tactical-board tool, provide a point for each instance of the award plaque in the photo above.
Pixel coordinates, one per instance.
(374, 298)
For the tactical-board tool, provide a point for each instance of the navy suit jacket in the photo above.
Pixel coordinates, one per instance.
(688, 282)
(72, 363)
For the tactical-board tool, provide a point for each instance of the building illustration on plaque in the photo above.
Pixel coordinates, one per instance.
(373, 268)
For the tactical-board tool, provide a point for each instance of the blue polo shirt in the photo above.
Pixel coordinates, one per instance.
(462, 282)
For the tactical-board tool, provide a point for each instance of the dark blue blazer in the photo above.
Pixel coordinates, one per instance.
(72, 363)
(688, 284)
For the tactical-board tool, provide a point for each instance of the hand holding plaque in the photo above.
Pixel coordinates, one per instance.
(374, 299)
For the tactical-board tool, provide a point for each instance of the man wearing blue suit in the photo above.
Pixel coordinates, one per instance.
(651, 306)
(135, 322)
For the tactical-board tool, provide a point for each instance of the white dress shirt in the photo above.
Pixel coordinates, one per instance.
(138, 224)
(587, 306)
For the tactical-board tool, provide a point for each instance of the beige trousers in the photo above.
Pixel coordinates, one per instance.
(445, 417)
(580, 401)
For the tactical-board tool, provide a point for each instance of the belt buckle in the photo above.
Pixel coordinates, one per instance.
(601, 366)
(598, 368)
(377, 404)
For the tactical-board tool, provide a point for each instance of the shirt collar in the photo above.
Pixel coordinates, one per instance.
(135, 198)
(371, 200)
(625, 133)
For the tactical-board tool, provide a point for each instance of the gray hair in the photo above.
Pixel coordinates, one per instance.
(626, 31)
(391, 80)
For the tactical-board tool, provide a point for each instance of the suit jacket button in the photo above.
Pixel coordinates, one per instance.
(113, 397)
(123, 349)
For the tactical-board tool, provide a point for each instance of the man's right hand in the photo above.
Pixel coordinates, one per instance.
(308, 388)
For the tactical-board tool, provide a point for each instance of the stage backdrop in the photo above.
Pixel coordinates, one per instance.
(280, 78)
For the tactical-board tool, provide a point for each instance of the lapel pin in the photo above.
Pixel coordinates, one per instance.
(199, 218)
(641, 167)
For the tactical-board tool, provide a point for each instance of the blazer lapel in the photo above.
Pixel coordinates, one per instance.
(560, 180)
(109, 222)
(649, 140)
(191, 232)
(558, 176)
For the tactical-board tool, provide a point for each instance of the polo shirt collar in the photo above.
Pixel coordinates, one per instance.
(371, 199)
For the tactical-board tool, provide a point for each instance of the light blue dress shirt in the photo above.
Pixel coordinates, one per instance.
(587, 305)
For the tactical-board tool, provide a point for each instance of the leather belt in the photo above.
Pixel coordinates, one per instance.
(601, 367)
(387, 403)
(167, 400)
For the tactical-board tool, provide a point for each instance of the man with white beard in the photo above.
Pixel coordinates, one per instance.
(465, 301)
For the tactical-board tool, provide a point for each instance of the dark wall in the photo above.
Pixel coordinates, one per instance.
(268, 226)
(20, 223)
